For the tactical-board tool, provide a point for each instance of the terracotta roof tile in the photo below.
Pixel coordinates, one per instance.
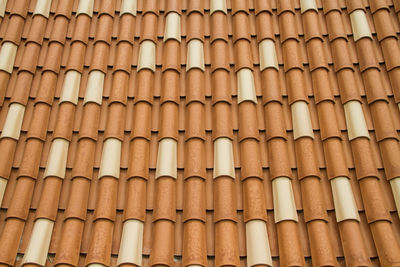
(135, 150)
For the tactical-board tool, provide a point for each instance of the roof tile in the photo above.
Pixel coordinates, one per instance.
(391, 54)
(284, 6)
(222, 125)
(164, 247)
(8, 53)
(285, 210)
(20, 8)
(110, 158)
(64, 124)
(239, 6)
(271, 90)
(246, 87)
(41, 236)
(353, 5)
(261, 6)
(13, 122)
(286, 28)
(347, 83)
(196, 5)
(149, 28)
(219, 56)
(89, 126)
(195, 129)
(257, 243)
(126, 33)
(171, 56)
(128, 7)
(172, 27)
(318, 58)
(173, 6)
(216, 5)
(218, 33)
(55, 53)
(195, 55)
(292, 58)
(195, 86)
(307, 5)
(42, 8)
(107, 7)
(296, 86)
(389, 150)
(264, 26)
(195, 253)
(76, 59)
(138, 166)
(9, 146)
(120, 85)
(85, 7)
(331, 5)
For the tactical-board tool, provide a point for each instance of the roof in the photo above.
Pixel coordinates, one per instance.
(199, 133)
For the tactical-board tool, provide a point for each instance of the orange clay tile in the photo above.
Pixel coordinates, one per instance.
(199, 133)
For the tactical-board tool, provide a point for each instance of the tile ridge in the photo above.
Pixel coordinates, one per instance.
(194, 211)
(138, 162)
(79, 43)
(366, 170)
(255, 217)
(20, 8)
(99, 250)
(315, 214)
(164, 215)
(225, 215)
(343, 197)
(386, 134)
(280, 171)
(75, 212)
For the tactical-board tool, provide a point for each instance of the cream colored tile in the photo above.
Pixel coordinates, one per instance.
(246, 87)
(71, 85)
(128, 6)
(167, 158)
(110, 158)
(85, 7)
(3, 4)
(172, 27)
(218, 5)
(355, 120)
(12, 125)
(301, 120)
(94, 88)
(147, 56)
(7, 56)
(130, 250)
(57, 159)
(257, 244)
(284, 205)
(359, 25)
(195, 55)
(39, 242)
(42, 8)
(395, 184)
(306, 5)
(223, 158)
(343, 198)
(268, 58)
(3, 185)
